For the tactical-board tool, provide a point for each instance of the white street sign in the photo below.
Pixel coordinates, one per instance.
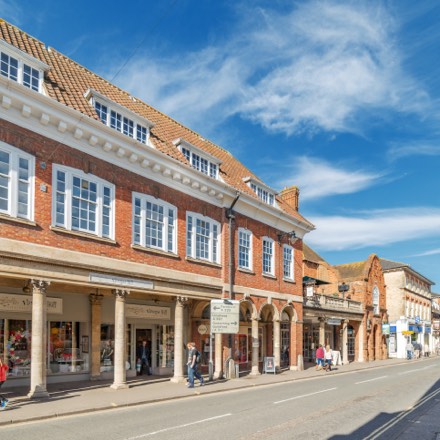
(225, 316)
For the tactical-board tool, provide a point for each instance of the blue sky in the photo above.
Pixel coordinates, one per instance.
(340, 98)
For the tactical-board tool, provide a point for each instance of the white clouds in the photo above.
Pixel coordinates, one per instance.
(422, 148)
(317, 178)
(319, 67)
(11, 11)
(374, 229)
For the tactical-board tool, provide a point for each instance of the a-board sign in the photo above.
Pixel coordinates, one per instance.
(269, 365)
(225, 316)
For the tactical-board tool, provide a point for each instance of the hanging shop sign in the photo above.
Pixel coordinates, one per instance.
(385, 329)
(147, 312)
(128, 283)
(23, 303)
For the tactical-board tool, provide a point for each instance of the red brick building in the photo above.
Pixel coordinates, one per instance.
(119, 224)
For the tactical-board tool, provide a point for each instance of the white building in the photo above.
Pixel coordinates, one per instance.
(409, 307)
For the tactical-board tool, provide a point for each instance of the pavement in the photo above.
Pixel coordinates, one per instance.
(87, 396)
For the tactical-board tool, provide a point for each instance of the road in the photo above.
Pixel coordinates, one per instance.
(394, 402)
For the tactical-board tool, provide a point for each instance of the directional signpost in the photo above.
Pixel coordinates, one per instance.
(225, 318)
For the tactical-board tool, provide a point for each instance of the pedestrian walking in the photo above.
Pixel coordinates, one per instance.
(328, 355)
(193, 363)
(3, 376)
(143, 358)
(320, 357)
(409, 350)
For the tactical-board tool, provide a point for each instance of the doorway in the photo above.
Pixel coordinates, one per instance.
(144, 334)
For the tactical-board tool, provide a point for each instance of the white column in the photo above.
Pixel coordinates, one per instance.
(120, 376)
(255, 348)
(345, 342)
(218, 369)
(277, 343)
(38, 341)
(322, 331)
(178, 339)
(360, 339)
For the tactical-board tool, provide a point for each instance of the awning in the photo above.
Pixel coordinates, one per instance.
(311, 280)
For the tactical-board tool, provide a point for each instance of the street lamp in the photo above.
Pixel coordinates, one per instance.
(343, 288)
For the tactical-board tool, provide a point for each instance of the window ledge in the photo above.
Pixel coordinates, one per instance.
(22, 221)
(203, 262)
(289, 280)
(244, 270)
(148, 250)
(57, 229)
(269, 275)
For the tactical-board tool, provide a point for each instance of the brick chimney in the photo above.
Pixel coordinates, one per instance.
(291, 196)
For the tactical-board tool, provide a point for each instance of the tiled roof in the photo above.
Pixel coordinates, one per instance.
(388, 264)
(66, 81)
(311, 255)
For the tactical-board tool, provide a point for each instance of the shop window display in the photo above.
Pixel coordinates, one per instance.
(15, 345)
(165, 344)
(107, 347)
(64, 355)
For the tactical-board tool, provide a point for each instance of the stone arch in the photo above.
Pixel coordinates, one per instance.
(268, 312)
(248, 309)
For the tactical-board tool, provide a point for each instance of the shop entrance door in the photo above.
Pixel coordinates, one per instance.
(141, 335)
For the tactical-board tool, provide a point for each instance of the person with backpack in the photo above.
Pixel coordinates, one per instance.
(193, 361)
(3, 376)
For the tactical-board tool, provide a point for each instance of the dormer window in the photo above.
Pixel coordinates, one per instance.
(119, 118)
(263, 192)
(198, 159)
(20, 67)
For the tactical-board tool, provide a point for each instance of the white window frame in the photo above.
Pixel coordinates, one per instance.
(199, 159)
(101, 184)
(291, 275)
(263, 192)
(271, 271)
(166, 228)
(13, 182)
(124, 116)
(214, 242)
(248, 234)
(23, 59)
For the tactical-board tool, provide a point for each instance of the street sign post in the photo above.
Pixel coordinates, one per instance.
(225, 316)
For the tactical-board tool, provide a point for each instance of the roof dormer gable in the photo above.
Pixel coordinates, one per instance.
(21, 67)
(119, 117)
(199, 159)
(264, 193)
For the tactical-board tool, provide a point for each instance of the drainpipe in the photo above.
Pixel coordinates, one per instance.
(230, 216)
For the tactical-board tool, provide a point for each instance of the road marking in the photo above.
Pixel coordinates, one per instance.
(379, 432)
(148, 434)
(304, 395)
(416, 370)
(371, 380)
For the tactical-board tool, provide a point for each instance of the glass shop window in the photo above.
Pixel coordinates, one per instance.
(15, 345)
(165, 346)
(107, 347)
(64, 354)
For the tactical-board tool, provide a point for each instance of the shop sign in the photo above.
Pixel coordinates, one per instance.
(23, 303)
(385, 329)
(202, 329)
(147, 312)
(333, 321)
(128, 283)
(407, 332)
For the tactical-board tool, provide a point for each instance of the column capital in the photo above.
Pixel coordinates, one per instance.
(182, 301)
(96, 299)
(121, 293)
(40, 285)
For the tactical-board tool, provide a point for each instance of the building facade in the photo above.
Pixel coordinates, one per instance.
(118, 225)
(409, 307)
(365, 281)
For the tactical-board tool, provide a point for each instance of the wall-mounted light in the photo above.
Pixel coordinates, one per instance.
(343, 288)
(291, 236)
